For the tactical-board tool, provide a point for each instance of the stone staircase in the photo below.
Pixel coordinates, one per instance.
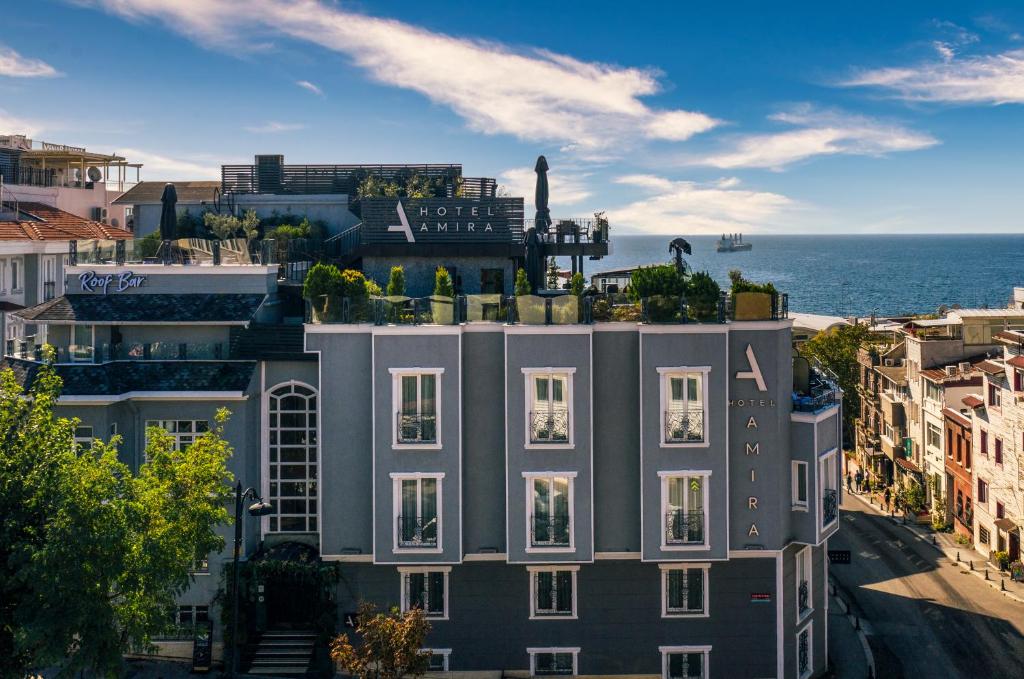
(283, 653)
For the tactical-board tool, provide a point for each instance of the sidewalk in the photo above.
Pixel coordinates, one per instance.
(849, 654)
(943, 542)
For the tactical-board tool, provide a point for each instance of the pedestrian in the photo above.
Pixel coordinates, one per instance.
(849, 482)
(860, 481)
(887, 496)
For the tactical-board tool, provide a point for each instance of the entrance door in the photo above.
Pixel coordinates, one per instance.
(492, 281)
(290, 605)
(1014, 550)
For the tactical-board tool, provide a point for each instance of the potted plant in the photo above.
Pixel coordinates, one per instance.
(322, 281)
(660, 289)
(442, 303)
(702, 296)
(530, 307)
(751, 301)
(1001, 559)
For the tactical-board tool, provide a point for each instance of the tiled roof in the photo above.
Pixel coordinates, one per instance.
(45, 222)
(121, 377)
(957, 417)
(151, 192)
(991, 368)
(228, 308)
(1016, 361)
(907, 464)
(972, 401)
(1011, 336)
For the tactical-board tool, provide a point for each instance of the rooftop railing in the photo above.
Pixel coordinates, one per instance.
(528, 310)
(27, 348)
(187, 251)
(823, 392)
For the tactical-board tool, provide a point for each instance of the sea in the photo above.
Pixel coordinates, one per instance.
(852, 275)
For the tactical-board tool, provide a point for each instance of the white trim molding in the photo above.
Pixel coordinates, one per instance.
(668, 568)
(528, 375)
(664, 476)
(530, 478)
(405, 571)
(396, 503)
(665, 375)
(574, 594)
(396, 405)
(666, 651)
(574, 650)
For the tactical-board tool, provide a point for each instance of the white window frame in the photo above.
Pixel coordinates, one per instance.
(92, 344)
(809, 628)
(17, 274)
(530, 477)
(404, 571)
(529, 374)
(396, 405)
(803, 566)
(534, 613)
(84, 440)
(929, 429)
(268, 395)
(824, 481)
(666, 651)
(665, 377)
(3, 276)
(663, 508)
(798, 504)
(574, 650)
(396, 492)
(442, 653)
(176, 435)
(666, 570)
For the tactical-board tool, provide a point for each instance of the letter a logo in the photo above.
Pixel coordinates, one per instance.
(404, 226)
(755, 371)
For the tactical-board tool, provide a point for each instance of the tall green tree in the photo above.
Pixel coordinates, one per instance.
(836, 349)
(92, 556)
(552, 274)
(396, 282)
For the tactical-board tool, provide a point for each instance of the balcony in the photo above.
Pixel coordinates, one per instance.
(684, 527)
(803, 596)
(182, 251)
(684, 426)
(27, 349)
(820, 392)
(550, 531)
(416, 532)
(413, 429)
(829, 506)
(549, 426)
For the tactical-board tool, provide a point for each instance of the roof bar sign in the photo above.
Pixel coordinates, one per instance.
(125, 280)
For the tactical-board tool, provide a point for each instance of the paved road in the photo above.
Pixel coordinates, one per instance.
(926, 617)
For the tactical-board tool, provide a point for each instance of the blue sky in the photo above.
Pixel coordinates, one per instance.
(675, 118)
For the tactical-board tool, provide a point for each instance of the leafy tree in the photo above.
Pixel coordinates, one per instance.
(224, 227)
(92, 556)
(375, 187)
(577, 284)
(552, 273)
(420, 186)
(443, 283)
(322, 279)
(522, 284)
(189, 226)
(836, 349)
(389, 645)
(149, 245)
(660, 279)
(702, 296)
(396, 282)
(912, 496)
(741, 284)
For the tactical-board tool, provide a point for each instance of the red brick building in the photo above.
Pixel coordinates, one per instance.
(959, 479)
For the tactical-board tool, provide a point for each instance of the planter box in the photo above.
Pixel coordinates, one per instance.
(752, 306)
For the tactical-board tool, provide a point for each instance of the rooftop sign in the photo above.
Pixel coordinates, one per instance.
(110, 282)
(442, 220)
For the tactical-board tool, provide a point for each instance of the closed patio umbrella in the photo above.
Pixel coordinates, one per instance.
(540, 199)
(168, 215)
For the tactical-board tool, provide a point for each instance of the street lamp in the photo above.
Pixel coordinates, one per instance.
(258, 508)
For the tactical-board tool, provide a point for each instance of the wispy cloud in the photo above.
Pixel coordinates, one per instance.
(819, 132)
(306, 85)
(156, 166)
(14, 65)
(977, 79)
(530, 93)
(11, 124)
(684, 207)
(565, 189)
(274, 127)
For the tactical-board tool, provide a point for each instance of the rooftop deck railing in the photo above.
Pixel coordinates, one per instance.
(185, 251)
(28, 348)
(527, 310)
(823, 391)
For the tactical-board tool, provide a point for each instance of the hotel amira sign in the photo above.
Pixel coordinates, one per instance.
(441, 220)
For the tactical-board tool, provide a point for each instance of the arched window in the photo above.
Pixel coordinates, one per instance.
(293, 459)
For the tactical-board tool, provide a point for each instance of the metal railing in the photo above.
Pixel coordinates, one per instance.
(829, 506)
(684, 527)
(49, 290)
(184, 251)
(803, 597)
(549, 426)
(416, 428)
(803, 654)
(550, 531)
(277, 178)
(26, 348)
(571, 230)
(684, 426)
(417, 532)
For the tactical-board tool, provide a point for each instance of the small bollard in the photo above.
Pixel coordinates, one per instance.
(1002, 584)
(958, 556)
(971, 564)
(933, 538)
(986, 574)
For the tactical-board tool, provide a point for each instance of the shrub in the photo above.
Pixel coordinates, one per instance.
(149, 246)
(702, 296)
(661, 279)
(962, 540)
(322, 279)
(577, 284)
(912, 497)
(396, 282)
(443, 283)
(373, 289)
(522, 286)
(741, 284)
(1001, 559)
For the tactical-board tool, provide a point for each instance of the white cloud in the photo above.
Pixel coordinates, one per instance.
(819, 132)
(14, 65)
(10, 124)
(564, 189)
(273, 127)
(684, 207)
(306, 85)
(530, 93)
(978, 79)
(156, 166)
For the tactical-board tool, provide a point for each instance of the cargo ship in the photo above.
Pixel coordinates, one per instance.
(733, 243)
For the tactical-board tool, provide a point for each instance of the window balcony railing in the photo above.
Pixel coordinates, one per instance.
(417, 532)
(804, 597)
(49, 290)
(829, 506)
(684, 527)
(549, 426)
(684, 426)
(804, 655)
(549, 531)
(416, 428)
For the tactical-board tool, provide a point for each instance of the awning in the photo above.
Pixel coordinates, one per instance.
(972, 401)
(1016, 361)
(1006, 524)
(908, 465)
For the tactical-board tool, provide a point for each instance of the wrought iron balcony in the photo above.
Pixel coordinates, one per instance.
(416, 428)
(684, 527)
(804, 597)
(417, 532)
(829, 506)
(549, 426)
(684, 426)
(804, 655)
(549, 531)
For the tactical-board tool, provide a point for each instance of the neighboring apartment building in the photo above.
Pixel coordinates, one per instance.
(958, 486)
(615, 498)
(942, 390)
(997, 414)
(142, 207)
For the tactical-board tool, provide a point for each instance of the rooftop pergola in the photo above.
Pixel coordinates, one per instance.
(67, 159)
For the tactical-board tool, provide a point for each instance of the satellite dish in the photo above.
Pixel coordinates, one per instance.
(94, 174)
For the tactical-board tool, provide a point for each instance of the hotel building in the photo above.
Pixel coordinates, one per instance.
(560, 494)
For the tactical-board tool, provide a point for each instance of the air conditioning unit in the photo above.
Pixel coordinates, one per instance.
(964, 367)
(99, 214)
(950, 370)
(889, 363)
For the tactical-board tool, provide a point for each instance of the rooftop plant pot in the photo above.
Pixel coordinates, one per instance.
(442, 309)
(752, 306)
(530, 309)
